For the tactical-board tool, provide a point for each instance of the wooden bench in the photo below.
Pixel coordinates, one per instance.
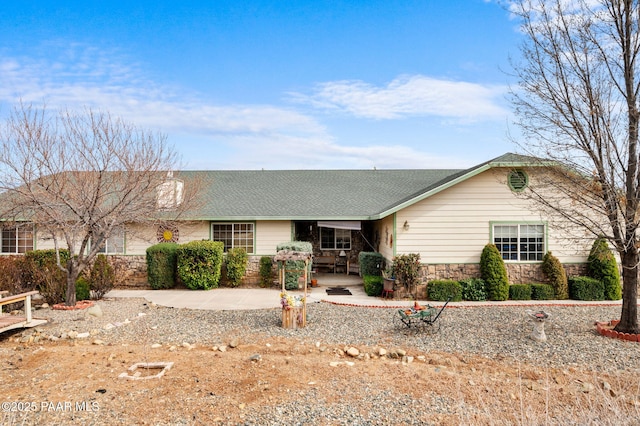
(9, 322)
(353, 268)
(328, 262)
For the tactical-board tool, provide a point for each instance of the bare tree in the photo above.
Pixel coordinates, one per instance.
(577, 105)
(82, 177)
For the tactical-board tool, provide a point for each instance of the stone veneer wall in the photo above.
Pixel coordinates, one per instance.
(519, 273)
(134, 270)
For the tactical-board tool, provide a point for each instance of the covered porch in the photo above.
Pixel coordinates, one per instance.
(336, 244)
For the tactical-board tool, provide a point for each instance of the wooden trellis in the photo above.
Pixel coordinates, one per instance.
(293, 316)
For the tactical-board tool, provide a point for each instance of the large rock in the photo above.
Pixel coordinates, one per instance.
(95, 311)
(353, 352)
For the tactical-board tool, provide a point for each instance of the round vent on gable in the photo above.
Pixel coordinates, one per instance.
(518, 180)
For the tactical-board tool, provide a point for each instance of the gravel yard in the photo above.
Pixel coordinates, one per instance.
(242, 367)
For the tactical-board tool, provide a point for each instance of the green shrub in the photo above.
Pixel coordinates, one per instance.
(236, 263)
(266, 271)
(11, 275)
(162, 260)
(586, 288)
(542, 292)
(83, 291)
(291, 278)
(373, 285)
(45, 257)
(494, 273)
(603, 267)
(41, 272)
(370, 263)
(474, 289)
(442, 290)
(102, 277)
(406, 269)
(200, 263)
(556, 275)
(520, 292)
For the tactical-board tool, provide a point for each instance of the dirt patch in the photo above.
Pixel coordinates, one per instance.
(77, 382)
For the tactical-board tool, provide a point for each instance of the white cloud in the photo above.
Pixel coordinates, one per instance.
(241, 136)
(409, 96)
(83, 76)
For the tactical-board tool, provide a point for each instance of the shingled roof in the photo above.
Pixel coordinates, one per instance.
(326, 194)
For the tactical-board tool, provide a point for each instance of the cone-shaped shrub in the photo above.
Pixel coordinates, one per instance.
(556, 275)
(494, 273)
(603, 267)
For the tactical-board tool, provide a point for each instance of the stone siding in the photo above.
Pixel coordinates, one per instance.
(519, 273)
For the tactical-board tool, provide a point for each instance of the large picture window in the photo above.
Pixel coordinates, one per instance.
(335, 239)
(234, 235)
(17, 238)
(522, 242)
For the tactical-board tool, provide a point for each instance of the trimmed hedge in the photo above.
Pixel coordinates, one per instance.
(542, 292)
(494, 273)
(266, 271)
(236, 263)
(474, 289)
(162, 261)
(373, 285)
(586, 288)
(441, 290)
(291, 278)
(520, 292)
(370, 263)
(43, 258)
(200, 263)
(604, 267)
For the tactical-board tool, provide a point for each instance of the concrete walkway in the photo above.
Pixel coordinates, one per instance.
(224, 299)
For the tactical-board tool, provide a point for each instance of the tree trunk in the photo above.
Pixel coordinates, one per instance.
(629, 316)
(72, 277)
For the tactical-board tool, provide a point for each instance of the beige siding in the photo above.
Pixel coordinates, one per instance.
(385, 236)
(270, 233)
(139, 238)
(454, 225)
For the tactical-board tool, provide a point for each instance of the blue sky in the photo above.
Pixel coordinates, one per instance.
(276, 84)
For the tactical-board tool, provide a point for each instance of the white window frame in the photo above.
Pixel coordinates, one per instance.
(115, 244)
(236, 239)
(18, 244)
(341, 239)
(520, 250)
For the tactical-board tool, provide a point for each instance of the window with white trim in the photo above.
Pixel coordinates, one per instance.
(522, 242)
(335, 239)
(114, 244)
(17, 238)
(234, 235)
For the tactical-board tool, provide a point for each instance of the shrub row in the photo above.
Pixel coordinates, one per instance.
(38, 270)
(199, 264)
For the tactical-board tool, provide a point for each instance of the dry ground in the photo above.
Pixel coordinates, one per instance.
(76, 382)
